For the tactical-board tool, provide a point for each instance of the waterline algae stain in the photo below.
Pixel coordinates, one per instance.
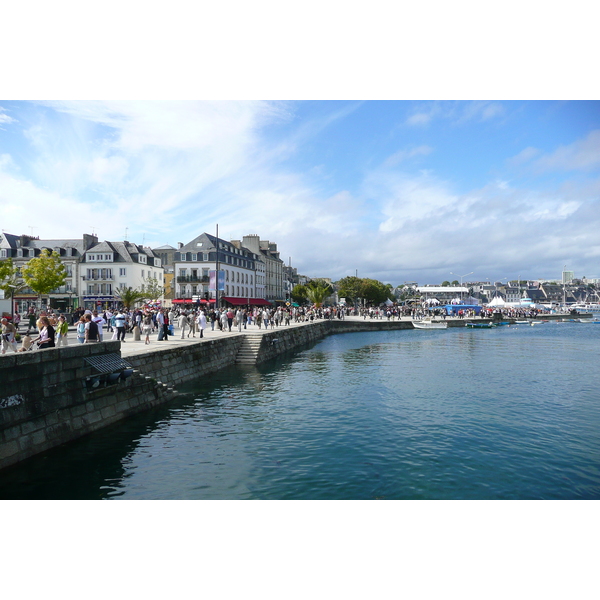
(508, 413)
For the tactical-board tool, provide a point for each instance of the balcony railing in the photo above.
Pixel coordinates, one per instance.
(98, 278)
(192, 279)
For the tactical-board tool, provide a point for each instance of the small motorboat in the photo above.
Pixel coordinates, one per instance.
(429, 324)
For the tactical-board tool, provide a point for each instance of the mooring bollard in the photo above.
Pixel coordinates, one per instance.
(136, 334)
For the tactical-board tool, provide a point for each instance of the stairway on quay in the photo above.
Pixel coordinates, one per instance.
(248, 353)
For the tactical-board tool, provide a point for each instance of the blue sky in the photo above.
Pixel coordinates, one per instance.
(396, 190)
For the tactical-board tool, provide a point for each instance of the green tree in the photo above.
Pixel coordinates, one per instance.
(445, 284)
(8, 275)
(317, 291)
(129, 296)
(349, 288)
(45, 273)
(375, 292)
(299, 294)
(455, 282)
(152, 290)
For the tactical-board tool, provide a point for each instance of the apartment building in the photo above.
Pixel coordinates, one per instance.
(244, 274)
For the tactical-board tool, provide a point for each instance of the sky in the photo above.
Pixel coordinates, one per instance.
(400, 141)
(398, 191)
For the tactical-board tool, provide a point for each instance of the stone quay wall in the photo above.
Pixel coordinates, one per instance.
(278, 341)
(180, 364)
(45, 402)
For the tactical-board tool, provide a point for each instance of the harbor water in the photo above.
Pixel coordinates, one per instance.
(511, 412)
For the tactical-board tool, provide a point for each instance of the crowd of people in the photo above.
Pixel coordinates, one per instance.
(52, 330)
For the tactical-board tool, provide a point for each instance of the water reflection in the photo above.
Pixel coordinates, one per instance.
(386, 415)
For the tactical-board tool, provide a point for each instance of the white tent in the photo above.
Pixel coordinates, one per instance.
(497, 301)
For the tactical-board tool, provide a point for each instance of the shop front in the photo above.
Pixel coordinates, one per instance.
(99, 302)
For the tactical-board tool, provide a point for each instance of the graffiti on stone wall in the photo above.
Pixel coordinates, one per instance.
(12, 401)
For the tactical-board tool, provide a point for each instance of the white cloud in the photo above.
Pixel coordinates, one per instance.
(457, 112)
(523, 157)
(4, 118)
(170, 171)
(580, 155)
(420, 119)
(403, 155)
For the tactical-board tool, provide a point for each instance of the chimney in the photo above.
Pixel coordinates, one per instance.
(179, 245)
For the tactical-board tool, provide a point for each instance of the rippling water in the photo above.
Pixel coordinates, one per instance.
(507, 413)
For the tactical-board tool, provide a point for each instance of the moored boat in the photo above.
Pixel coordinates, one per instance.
(429, 324)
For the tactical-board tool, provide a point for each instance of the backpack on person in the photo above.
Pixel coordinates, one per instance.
(93, 331)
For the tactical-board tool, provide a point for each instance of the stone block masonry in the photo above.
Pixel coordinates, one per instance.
(45, 402)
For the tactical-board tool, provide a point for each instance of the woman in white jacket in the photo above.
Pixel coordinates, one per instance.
(201, 322)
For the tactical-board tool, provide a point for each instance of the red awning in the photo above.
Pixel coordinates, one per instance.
(260, 302)
(245, 301)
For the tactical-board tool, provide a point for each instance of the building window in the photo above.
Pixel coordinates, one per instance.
(143, 273)
(182, 257)
(194, 257)
(122, 272)
(182, 272)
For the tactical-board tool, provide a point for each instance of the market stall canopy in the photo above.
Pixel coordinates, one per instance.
(497, 301)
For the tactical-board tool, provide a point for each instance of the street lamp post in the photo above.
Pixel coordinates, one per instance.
(461, 280)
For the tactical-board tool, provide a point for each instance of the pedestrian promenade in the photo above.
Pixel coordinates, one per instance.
(132, 348)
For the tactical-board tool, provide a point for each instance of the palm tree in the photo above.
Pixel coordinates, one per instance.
(317, 293)
(129, 296)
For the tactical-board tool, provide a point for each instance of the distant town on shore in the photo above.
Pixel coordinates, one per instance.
(250, 271)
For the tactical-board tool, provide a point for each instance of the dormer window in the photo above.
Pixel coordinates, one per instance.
(20, 252)
(3, 253)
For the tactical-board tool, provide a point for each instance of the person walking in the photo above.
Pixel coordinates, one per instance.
(223, 320)
(162, 321)
(183, 324)
(81, 330)
(61, 331)
(201, 322)
(100, 322)
(91, 330)
(120, 325)
(239, 317)
(147, 328)
(31, 319)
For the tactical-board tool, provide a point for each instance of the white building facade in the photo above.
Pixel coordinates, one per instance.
(244, 273)
(108, 267)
